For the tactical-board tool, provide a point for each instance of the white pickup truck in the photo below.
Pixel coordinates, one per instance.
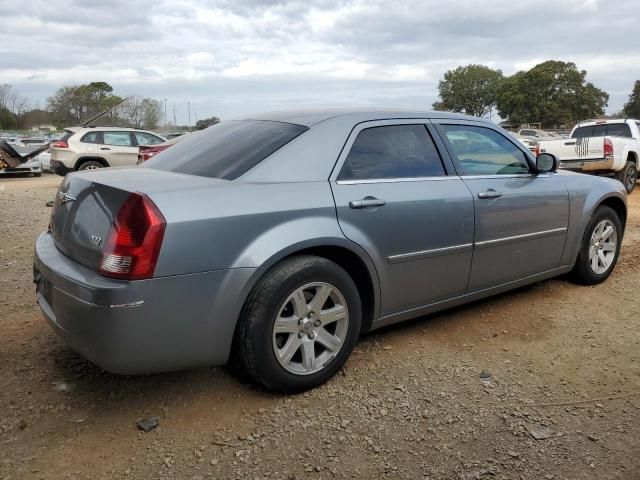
(601, 147)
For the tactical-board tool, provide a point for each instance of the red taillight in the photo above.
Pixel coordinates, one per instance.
(537, 149)
(60, 144)
(134, 241)
(608, 147)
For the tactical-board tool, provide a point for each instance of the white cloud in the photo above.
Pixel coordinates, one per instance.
(280, 54)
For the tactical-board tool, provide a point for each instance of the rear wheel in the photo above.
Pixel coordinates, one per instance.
(600, 248)
(299, 325)
(90, 165)
(628, 176)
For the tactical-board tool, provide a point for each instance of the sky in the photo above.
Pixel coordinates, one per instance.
(230, 58)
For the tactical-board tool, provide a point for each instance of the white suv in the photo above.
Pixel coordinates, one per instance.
(88, 148)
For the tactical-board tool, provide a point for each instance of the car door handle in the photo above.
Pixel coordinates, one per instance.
(491, 193)
(367, 202)
(105, 148)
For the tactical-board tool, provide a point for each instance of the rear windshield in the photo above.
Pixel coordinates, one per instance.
(226, 150)
(603, 130)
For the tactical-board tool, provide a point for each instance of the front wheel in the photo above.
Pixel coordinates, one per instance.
(299, 325)
(628, 176)
(599, 249)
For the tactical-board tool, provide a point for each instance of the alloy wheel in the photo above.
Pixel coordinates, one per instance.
(311, 328)
(603, 247)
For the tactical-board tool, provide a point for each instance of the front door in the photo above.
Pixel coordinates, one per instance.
(521, 217)
(395, 199)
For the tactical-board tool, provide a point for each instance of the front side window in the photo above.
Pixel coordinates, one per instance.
(483, 151)
(118, 139)
(393, 151)
(144, 138)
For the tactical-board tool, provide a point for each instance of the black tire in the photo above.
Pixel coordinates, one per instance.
(90, 165)
(253, 351)
(582, 272)
(37, 174)
(628, 176)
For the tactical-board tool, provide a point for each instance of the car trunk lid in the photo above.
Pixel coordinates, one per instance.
(87, 204)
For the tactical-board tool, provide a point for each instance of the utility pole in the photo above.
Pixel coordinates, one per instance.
(174, 117)
(165, 112)
(189, 110)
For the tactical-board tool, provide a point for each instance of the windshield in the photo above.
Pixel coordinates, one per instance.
(226, 150)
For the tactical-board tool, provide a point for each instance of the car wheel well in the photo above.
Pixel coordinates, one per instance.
(617, 206)
(632, 157)
(82, 160)
(358, 271)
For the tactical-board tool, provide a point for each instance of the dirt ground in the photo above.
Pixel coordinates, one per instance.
(539, 383)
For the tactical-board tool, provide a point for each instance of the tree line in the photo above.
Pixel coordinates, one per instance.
(552, 93)
(72, 105)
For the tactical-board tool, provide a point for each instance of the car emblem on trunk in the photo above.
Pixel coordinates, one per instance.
(96, 240)
(65, 197)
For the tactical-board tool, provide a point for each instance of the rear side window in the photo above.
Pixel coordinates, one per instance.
(393, 151)
(227, 149)
(144, 138)
(91, 137)
(118, 139)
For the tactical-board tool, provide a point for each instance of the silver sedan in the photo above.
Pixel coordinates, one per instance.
(274, 241)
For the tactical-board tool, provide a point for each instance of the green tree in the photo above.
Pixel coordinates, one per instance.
(632, 107)
(73, 104)
(553, 93)
(206, 122)
(472, 89)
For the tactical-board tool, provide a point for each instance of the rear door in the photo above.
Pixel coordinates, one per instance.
(396, 199)
(521, 217)
(118, 148)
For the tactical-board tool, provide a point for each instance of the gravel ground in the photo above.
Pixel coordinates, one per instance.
(539, 383)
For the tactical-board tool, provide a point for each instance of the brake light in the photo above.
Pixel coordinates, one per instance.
(608, 147)
(133, 244)
(60, 144)
(537, 149)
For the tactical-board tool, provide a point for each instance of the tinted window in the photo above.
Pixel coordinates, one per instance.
(394, 151)
(91, 137)
(483, 151)
(120, 139)
(144, 138)
(612, 129)
(619, 130)
(530, 133)
(226, 150)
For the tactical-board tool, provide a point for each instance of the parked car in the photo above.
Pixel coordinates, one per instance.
(89, 148)
(536, 134)
(45, 161)
(276, 240)
(528, 143)
(146, 152)
(16, 158)
(602, 147)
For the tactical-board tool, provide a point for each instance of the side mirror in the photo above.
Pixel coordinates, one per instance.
(546, 162)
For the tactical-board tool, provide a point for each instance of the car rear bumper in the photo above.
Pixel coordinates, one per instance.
(588, 165)
(144, 326)
(60, 168)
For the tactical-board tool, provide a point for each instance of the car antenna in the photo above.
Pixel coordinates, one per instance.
(95, 117)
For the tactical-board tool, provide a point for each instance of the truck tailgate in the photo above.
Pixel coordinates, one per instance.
(578, 149)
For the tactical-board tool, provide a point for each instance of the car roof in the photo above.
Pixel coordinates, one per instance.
(106, 129)
(312, 117)
(604, 121)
